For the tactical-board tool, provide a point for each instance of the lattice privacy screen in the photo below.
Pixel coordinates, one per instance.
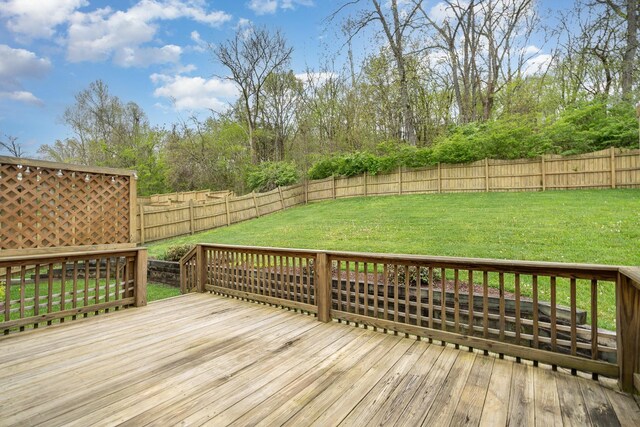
(44, 207)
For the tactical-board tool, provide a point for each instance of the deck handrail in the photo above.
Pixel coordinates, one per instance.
(425, 296)
(54, 287)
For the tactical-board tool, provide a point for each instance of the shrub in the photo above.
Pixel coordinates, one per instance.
(424, 274)
(175, 253)
(270, 175)
(324, 168)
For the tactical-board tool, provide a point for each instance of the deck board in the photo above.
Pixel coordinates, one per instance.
(203, 359)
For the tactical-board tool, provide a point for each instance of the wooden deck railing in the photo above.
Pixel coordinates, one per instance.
(506, 307)
(44, 288)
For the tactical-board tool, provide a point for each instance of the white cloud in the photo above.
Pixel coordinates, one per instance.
(22, 96)
(264, 7)
(443, 12)
(106, 33)
(315, 77)
(194, 93)
(143, 56)
(200, 45)
(38, 19)
(290, 4)
(537, 64)
(20, 63)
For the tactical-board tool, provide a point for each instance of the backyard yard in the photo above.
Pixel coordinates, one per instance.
(594, 226)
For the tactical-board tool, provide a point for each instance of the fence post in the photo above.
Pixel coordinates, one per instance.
(141, 207)
(333, 187)
(140, 286)
(613, 167)
(544, 173)
(486, 174)
(365, 184)
(255, 203)
(201, 268)
(628, 336)
(281, 198)
(306, 191)
(226, 206)
(323, 287)
(439, 179)
(400, 179)
(191, 228)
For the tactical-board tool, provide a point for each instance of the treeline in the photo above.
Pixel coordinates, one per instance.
(456, 82)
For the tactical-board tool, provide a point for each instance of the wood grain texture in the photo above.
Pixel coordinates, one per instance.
(216, 360)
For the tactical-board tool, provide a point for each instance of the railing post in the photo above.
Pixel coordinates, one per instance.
(201, 268)
(323, 287)
(628, 334)
(140, 286)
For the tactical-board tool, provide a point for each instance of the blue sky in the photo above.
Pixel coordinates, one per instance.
(152, 52)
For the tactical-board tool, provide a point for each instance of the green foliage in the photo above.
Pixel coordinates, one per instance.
(594, 126)
(388, 156)
(323, 168)
(176, 252)
(270, 175)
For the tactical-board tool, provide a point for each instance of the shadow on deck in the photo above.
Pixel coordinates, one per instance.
(206, 359)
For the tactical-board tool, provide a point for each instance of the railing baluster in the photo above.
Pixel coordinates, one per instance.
(7, 298)
(74, 303)
(502, 314)
(365, 280)
(376, 290)
(534, 280)
(574, 335)
(117, 279)
(407, 291)
(356, 281)
(594, 319)
(485, 304)
(456, 300)
(348, 271)
(36, 293)
(471, 301)
(23, 270)
(552, 290)
(50, 292)
(385, 281)
(443, 299)
(63, 289)
(419, 295)
(107, 279)
(396, 294)
(97, 287)
(430, 284)
(517, 302)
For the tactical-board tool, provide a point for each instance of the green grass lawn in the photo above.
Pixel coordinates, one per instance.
(590, 226)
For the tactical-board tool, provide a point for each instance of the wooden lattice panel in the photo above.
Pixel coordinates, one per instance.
(44, 207)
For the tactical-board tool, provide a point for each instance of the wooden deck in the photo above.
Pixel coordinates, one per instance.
(204, 359)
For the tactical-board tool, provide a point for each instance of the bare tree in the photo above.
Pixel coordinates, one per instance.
(396, 25)
(629, 11)
(251, 56)
(12, 146)
(485, 44)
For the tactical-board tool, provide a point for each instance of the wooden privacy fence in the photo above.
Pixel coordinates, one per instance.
(613, 168)
(46, 206)
(161, 222)
(463, 301)
(44, 288)
(183, 197)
